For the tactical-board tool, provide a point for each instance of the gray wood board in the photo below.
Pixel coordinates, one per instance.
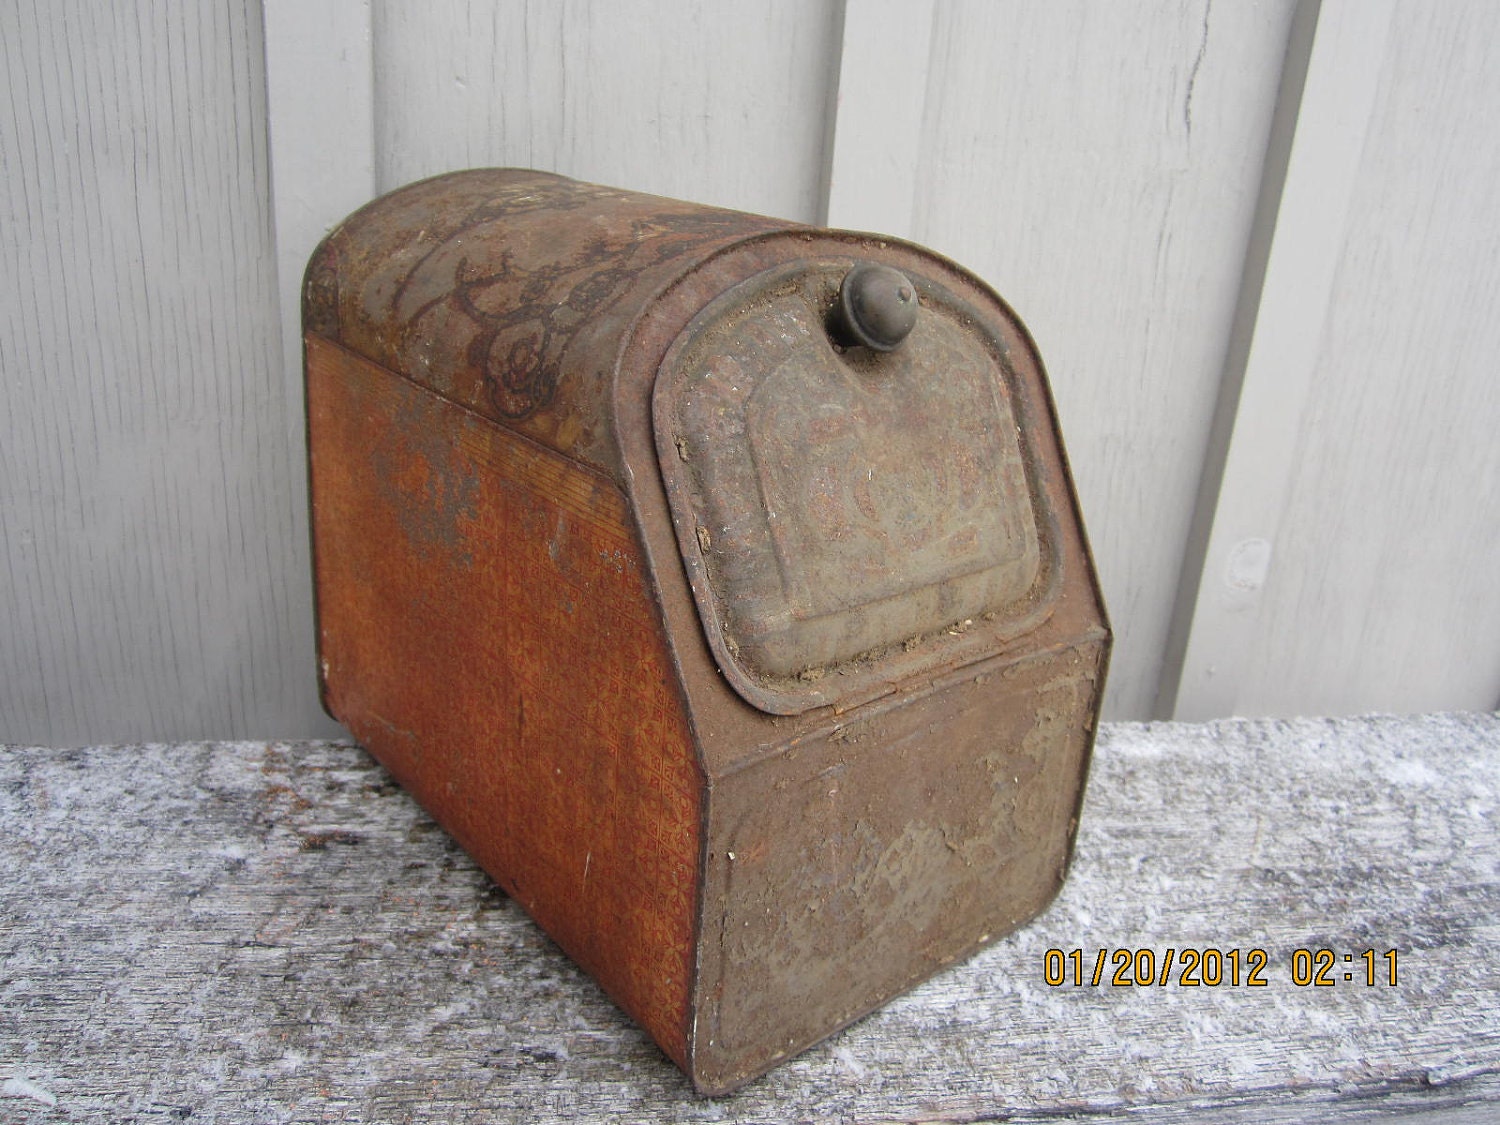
(154, 576)
(275, 932)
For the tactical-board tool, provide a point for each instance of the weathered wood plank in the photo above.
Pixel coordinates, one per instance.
(1274, 355)
(723, 104)
(150, 582)
(242, 931)
(1383, 593)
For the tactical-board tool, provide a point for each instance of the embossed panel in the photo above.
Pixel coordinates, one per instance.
(845, 515)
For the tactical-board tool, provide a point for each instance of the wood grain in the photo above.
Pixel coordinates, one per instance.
(1330, 80)
(150, 582)
(273, 932)
(1383, 590)
(722, 104)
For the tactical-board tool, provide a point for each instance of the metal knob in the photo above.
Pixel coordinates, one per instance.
(877, 307)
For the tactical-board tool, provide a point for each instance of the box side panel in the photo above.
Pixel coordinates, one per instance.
(843, 872)
(485, 631)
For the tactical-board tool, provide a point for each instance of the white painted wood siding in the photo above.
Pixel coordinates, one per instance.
(1099, 164)
(153, 576)
(1329, 83)
(1384, 589)
(723, 103)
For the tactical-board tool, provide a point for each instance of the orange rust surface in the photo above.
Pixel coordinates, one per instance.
(488, 593)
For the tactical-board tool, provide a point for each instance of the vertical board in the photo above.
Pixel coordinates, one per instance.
(718, 103)
(145, 464)
(1099, 165)
(322, 167)
(1383, 591)
(1333, 71)
(875, 162)
(322, 164)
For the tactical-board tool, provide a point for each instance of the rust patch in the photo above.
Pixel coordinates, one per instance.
(551, 743)
(433, 498)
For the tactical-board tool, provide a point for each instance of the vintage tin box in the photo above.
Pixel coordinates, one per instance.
(716, 581)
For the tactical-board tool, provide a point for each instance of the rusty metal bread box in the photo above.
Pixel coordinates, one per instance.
(716, 581)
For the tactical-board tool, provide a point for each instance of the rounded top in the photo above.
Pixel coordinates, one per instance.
(877, 306)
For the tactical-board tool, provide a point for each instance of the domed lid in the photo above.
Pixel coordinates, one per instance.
(849, 517)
